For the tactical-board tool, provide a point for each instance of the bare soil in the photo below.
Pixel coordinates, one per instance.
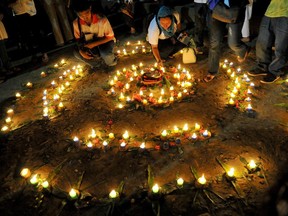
(46, 146)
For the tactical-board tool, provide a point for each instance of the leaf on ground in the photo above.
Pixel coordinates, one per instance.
(194, 172)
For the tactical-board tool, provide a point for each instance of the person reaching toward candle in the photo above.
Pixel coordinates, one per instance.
(162, 34)
(94, 35)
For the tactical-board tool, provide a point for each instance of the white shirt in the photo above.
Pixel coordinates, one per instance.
(154, 31)
(201, 1)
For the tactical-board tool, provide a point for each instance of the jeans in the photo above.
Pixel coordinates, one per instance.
(106, 53)
(217, 30)
(167, 48)
(272, 30)
(201, 12)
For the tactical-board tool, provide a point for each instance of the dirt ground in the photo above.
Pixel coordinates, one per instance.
(46, 146)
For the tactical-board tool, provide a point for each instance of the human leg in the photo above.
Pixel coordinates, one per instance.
(216, 35)
(200, 23)
(235, 43)
(106, 52)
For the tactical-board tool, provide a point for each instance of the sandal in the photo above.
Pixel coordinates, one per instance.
(209, 77)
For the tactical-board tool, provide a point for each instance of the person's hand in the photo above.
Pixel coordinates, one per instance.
(160, 63)
(85, 54)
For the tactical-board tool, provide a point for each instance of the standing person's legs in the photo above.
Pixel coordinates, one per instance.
(264, 44)
(216, 36)
(234, 41)
(280, 29)
(200, 23)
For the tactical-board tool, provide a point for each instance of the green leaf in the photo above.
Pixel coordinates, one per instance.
(223, 165)
(194, 172)
(120, 187)
(56, 171)
(80, 180)
(150, 177)
(282, 105)
(243, 160)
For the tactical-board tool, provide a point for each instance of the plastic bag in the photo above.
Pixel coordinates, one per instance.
(189, 55)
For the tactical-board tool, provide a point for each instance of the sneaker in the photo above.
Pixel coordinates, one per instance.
(241, 60)
(257, 72)
(270, 78)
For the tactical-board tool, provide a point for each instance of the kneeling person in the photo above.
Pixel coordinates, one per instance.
(94, 34)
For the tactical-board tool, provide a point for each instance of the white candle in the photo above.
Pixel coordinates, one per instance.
(45, 184)
(155, 188)
(73, 193)
(34, 179)
(230, 173)
(25, 172)
(113, 194)
(180, 181)
(185, 128)
(252, 164)
(202, 180)
(125, 135)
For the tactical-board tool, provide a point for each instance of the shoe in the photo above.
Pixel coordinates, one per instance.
(209, 77)
(270, 78)
(241, 60)
(257, 72)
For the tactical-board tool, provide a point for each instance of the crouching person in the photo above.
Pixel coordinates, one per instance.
(94, 35)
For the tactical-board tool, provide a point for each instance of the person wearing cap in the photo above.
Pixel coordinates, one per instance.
(162, 34)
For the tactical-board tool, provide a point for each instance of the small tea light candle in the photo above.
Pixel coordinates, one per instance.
(142, 146)
(8, 120)
(105, 143)
(120, 106)
(197, 126)
(127, 86)
(185, 127)
(62, 61)
(164, 133)
(4, 128)
(231, 101)
(60, 105)
(180, 181)
(252, 84)
(194, 136)
(171, 99)
(230, 173)
(111, 136)
(29, 85)
(125, 135)
(249, 107)
(176, 129)
(205, 133)
(249, 91)
(252, 165)
(73, 193)
(123, 145)
(75, 139)
(34, 179)
(248, 99)
(144, 101)
(18, 95)
(113, 194)
(10, 111)
(45, 184)
(43, 74)
(25, 173)
(202, 180)
(155, 188)
(89, 144)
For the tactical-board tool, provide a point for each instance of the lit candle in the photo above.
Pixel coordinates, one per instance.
(249, 107)
(53, 83)
(62, 61)
(164, 133)
(120, 106)
(224, 65)
(205, 133)
(111, 136)
(29, 85)
(10, 111)
(127, 86)
(18, 95)
(185, 128)
(176, 129)
(162, 91)
(105, 143)
(179, 95)
(155, 188)
(8, 120)
(230, 173)
(113, 194)
(249, 91)
(25, 173)
(252, 84)
(160, 100)
(45, 184)
(252, 164)
(60, 105)
(125, 135)
(43, 74)
(180, 181)
(202, 180)
(231, 101)
(197, 126)
(142, 146)
(144, 101)
(235, 90)
(76, 139)
(4, 128)
(123, 145)
(232, 95)
(171, 99)
(73, 193)
(89, 144)
(34, 179)
(93, 134)
(194, 136)
(121, 97)
(248, 99)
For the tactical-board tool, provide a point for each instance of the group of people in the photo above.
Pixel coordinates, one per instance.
(95, 37)
(163, 28)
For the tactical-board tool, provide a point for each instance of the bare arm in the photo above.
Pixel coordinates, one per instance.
(99, 42)
(156, 55)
